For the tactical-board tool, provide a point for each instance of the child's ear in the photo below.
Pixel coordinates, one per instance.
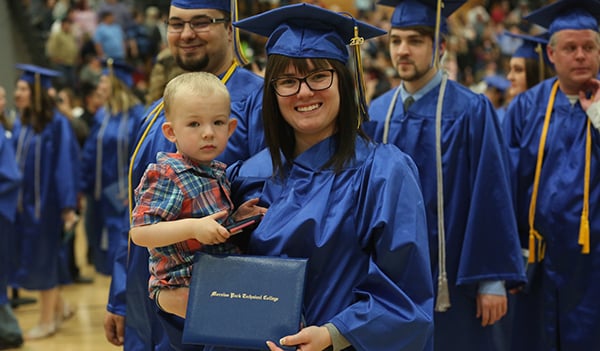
(167, 130)
(232, 125)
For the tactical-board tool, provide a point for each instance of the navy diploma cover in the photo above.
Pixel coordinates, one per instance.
(243, 301)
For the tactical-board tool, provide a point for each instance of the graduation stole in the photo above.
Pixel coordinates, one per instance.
(537, 246)
(153, 115)
(442, 302)
(122, 152)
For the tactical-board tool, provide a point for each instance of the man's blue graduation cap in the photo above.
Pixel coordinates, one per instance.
(567, 14)
(119, 69)
(410, 13)
(308, 31)
(497, 82)
(33, 73)
(224, 5)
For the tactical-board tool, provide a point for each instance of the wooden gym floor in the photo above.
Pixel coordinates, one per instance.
(84, 331)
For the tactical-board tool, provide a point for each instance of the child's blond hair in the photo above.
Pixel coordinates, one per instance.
(202, 84)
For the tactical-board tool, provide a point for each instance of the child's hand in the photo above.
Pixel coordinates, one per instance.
(248, 209)
(208, 231)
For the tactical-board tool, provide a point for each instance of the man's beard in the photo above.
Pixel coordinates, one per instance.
(192, 65)
(416, 74)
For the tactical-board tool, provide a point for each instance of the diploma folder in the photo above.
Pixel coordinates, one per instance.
(242, 301)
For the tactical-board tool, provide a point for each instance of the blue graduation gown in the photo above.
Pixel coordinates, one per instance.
(10, 180)
(480, 228)
(112, 136)
(561, 311)
(54, 155)
(364, 232)
(129, 287)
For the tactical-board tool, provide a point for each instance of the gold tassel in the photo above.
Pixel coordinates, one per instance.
(532, 249)
(584, 234)
(114, 103)
(584, 226)
(237, 47)
(355, 43)
(537, 246)
(541, 64)
(37, 87)
(438, 25)
(442, 303)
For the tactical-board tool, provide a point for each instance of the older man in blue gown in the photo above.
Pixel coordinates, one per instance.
(552, 133)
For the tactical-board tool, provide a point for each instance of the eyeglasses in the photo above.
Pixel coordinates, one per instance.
(316, 81)
(198, 24)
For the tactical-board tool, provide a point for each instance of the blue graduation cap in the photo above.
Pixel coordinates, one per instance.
(410, 13)
(309, 31)
(119, 69)
(498, 82)
(31, 73)
(532, 45)
(305, 30)
(567, 14)
(223, 5)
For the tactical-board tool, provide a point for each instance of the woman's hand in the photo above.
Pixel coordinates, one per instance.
(248, 209)
(311, 338)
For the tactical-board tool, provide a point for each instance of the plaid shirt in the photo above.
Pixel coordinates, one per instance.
(176, 188)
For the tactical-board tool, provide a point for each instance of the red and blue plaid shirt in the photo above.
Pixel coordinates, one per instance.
(175, 188)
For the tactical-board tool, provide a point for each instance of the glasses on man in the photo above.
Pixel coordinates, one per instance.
(198, 24)
(316, 81)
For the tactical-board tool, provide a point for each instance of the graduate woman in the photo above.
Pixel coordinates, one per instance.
(350, 206)
(529, 64)
(105, 162)
(47, 154)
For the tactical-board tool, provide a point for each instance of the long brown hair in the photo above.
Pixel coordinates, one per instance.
(38, 119)
(279, 134)
(532, 72)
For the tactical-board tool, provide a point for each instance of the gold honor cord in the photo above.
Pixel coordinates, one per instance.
(536, 252)
(584, 225)
(154, 115)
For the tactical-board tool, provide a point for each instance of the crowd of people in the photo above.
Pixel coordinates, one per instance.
(79, 33)
(436, 164)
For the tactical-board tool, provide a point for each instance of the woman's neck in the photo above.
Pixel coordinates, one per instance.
(305, 142)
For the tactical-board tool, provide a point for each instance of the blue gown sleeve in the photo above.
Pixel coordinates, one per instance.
(67, 170)
(491, 225)
(10, 178)
(397, 290)
(88, 156)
